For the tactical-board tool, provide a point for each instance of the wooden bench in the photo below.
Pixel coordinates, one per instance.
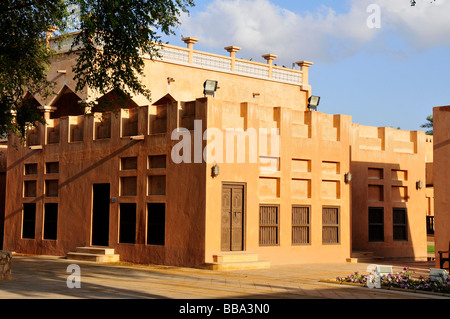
(442, 259)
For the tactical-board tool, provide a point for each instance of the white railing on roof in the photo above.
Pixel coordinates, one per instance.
(211, 62)
(170, 54)
(216, 62)
(286, 75)
(184, 56)
(252, 69)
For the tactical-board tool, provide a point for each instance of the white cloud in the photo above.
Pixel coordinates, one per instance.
(260, 27)
(425, 25)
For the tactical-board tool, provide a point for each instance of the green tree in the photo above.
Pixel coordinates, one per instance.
(124, 29)
(428, 125)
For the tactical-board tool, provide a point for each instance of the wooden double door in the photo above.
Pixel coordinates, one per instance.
(233, 217)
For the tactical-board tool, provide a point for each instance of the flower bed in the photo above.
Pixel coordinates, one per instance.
(403, 280)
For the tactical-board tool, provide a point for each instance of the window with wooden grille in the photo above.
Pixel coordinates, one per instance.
(330, 225)
(376, 224)
(400, 224)
(300, 225)
(268, 225)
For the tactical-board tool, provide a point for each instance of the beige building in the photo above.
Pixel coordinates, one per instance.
(247, 173)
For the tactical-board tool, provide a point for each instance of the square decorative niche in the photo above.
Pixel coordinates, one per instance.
(128, 186)
(128, 163)
(157, 185)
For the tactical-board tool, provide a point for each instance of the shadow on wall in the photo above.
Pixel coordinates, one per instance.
(386, 207)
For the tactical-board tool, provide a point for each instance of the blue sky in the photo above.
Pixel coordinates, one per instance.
(392, 74)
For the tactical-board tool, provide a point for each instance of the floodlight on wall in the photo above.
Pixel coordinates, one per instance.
(313, 102)
(210, 87)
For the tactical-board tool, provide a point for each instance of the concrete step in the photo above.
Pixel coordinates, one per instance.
(365, 260)
(95, 254)
(92, 257)
(236, 261)
(238, 265)
(235, 257)
(95, 250)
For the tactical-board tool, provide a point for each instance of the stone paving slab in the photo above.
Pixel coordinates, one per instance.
(44, 277)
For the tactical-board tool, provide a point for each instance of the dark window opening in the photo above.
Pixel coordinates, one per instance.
(51, 221)
(127, 223)
(156, 223)
(376, 224)
(100, 214)
(29, 220)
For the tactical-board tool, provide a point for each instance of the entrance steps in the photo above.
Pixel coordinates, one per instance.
(95, 254)
(236, 261)
(364, 257)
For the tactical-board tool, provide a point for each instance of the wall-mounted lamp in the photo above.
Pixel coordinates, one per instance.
(170, 80)
(313, 102)
(419, 184)
(347, 177)
(215, 170)
(256, 94)
(35, 147)
(210, 87)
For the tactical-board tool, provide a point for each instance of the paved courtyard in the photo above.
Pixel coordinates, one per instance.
(43, 277)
